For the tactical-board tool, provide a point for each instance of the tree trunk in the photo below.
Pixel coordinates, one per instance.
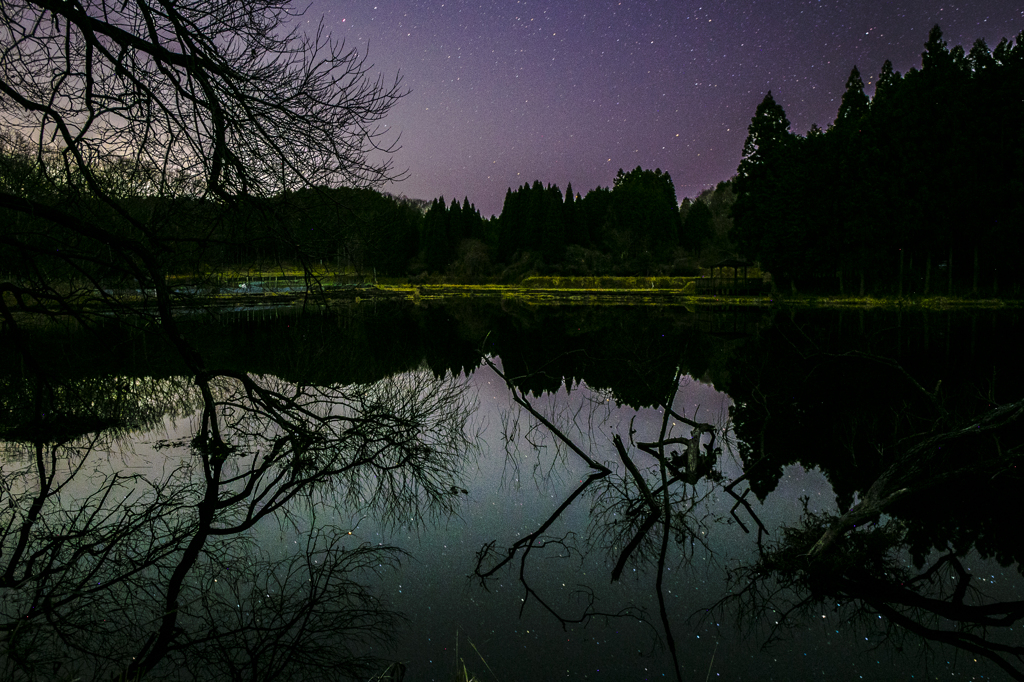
(927, 272)
(974, 286)
(862, 281)
(901, 275)
(839, 274)
(949, 268)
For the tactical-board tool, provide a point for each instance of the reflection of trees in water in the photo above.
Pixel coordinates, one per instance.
(814, 388)
(633, 514)
(935, 472)
(108, 571)
(933, 481)
(63, 409)
(864, 580)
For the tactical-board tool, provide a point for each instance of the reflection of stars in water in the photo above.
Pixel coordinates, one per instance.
(506, 503)
(784, 505)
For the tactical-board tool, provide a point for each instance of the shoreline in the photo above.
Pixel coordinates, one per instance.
(580, 296)
(560, 296)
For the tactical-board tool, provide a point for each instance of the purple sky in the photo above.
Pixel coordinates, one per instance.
(509, 92)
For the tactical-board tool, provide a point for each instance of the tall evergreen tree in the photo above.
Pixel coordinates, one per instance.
(456, 225)
(592, 210)
(767, 135)
(758, 213)
(552, 222)
(574, 232)
(888, 81)
(509, 227)
(643, 217)
(697, 229)
(473, 224)
(935, 55)
(436, 248)
(854, 105)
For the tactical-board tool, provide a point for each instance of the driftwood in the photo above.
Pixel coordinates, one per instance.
(935, 459)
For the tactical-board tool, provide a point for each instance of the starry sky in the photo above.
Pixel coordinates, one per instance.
(506, 92)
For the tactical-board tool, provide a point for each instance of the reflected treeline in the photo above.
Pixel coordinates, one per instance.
(933, 474)
(107, 571)
(122, 559)
(852, 396)
(631, 351)
(658, 497)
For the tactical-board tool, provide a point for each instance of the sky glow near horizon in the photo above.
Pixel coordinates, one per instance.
(505, 93)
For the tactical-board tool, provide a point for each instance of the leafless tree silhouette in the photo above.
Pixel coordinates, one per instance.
(124, 125)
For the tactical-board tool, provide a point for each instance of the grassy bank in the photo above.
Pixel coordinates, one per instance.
(543, 290)
(618, 283)
(558, 290)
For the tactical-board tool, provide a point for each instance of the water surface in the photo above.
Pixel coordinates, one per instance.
(576, 533)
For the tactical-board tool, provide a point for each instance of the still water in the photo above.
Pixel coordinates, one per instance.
(528, 492)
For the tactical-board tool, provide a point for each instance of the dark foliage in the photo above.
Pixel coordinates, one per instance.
(916, 191)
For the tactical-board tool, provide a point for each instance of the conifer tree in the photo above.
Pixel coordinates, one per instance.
(592, 210)
(885, 86)
(767, 135)
(552, 222)
(456, 224)
(854, 105)
(935, 55)
(508, 227)
(758, 214)
(473, 226)
(436, 249)
(643, 218)
(573, 232)
(697, 229)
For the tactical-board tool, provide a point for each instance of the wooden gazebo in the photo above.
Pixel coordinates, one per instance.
(734, 285)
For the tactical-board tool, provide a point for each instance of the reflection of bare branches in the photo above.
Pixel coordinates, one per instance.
(626, 509)
(622, 520)
(530, 447)
(938, 458)
(290, 618)
(530, 541)
(742, 500)
(113, 565)
(521, 400)
(538, 541)
(390, 446)
(867, 575)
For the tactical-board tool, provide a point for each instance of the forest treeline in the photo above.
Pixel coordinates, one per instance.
(634, 227)
(916, 190)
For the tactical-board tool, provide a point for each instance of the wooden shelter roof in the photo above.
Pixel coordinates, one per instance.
(733, 263)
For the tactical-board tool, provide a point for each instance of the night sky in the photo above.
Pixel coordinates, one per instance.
(503, 93)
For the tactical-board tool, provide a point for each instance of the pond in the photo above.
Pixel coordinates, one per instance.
(523, 492)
